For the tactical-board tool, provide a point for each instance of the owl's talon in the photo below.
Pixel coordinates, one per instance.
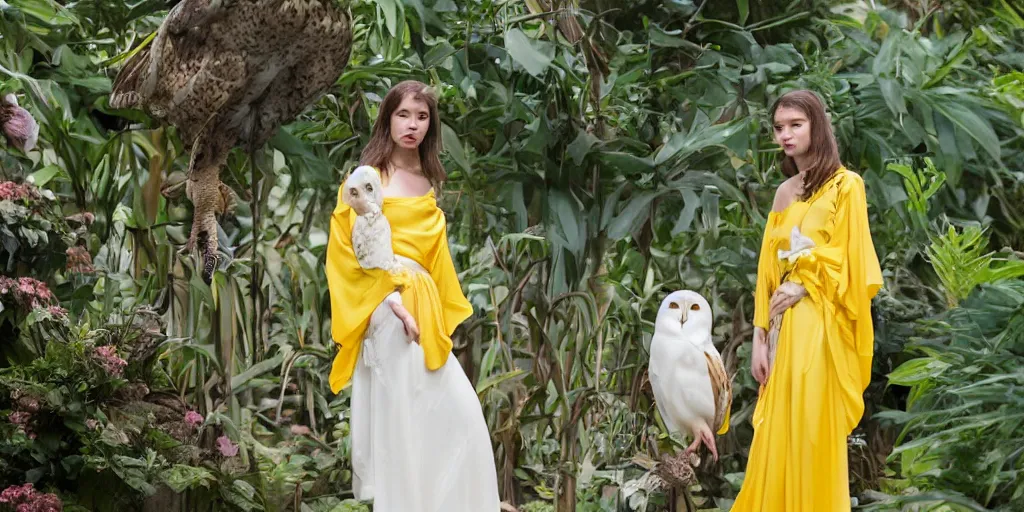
(208, 255)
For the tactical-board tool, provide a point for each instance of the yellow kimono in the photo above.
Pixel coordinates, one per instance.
(436, 301)
(814, 394)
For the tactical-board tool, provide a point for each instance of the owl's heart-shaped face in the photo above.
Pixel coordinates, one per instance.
(685, 311)
(363, 191)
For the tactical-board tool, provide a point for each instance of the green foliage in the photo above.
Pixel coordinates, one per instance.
(33, 232)
(587, 178)
(964, 413)
(961, 266)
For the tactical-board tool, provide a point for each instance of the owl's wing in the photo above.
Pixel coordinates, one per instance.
(721, 386)
(655, 374)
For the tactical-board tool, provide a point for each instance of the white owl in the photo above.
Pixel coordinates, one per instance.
(371, 233)
(690, 384)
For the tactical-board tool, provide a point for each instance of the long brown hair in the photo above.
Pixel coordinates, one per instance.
(378, 152)
(823, 151)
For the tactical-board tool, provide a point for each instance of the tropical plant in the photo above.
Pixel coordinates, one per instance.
(599, 156)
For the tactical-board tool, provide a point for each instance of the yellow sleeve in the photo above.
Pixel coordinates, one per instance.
(767, 279)
(456, 308)
(846, 271)
(354, 292)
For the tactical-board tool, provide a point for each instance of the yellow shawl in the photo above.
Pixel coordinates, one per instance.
(418, 232)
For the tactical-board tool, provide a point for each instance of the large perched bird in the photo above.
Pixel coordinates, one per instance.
(691, 387)
(228, 73)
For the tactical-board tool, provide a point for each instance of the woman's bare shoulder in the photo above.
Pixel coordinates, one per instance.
(787, 192)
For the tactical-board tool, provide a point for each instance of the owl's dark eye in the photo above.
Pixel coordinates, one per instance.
(369, 187)
(673, 305)
(695, 307)
(353, 191)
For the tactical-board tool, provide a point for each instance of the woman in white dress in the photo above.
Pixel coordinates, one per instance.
(419, 439)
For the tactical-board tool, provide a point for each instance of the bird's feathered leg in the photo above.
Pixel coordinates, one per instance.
(204, 189)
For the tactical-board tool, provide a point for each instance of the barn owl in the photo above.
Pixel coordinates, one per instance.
(371, 233)
(690, 384)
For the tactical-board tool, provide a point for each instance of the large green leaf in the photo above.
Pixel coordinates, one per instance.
(453, 145)
(684, 144)
(629, 219)
(917, 370)
(965, 119)
(534, 55)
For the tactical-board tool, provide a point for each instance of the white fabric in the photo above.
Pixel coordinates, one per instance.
(419, 439)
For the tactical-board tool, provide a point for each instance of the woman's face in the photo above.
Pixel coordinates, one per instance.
(792, 131)
(409, 122)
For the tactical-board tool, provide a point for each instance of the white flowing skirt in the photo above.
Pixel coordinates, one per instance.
(419, 439)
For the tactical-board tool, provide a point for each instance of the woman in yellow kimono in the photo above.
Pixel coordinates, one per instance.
(419, 440)
(816, 276)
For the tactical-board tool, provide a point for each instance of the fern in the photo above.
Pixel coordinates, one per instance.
(961, 265)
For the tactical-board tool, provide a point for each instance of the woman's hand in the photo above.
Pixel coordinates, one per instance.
(411, 329)
(785, 297)
(759, 361)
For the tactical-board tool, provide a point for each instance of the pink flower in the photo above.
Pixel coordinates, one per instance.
(107, 357)
(28, 403)
(20, 418)
(26, 499)
(16, 493)
(28, 292)
(300, 430)
(79, 260)
(193, 418)
(44, 503)
(12, 191)
(226, 447)
(23, 419)
(19, 127)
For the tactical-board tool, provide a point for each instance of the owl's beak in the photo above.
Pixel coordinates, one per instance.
(685, 311)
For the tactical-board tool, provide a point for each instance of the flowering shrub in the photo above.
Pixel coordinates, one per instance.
(79, 260)
(29, 221)
(24, 498)
(35, 237)
(72, 414)
(29, 313)
(11, 191)
(107, 358)
(27, 293)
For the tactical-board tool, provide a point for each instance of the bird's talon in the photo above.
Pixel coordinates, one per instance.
(209, 265)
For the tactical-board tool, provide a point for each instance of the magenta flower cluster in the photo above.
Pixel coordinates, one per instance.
(29, 293)
(23, 412)
(11, 191)
(24, 498)
(108, 358)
